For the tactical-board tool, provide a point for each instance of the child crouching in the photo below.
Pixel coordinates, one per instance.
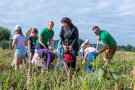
(43, 58)
(90, 53)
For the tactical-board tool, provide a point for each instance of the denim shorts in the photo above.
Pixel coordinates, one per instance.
(19, 52)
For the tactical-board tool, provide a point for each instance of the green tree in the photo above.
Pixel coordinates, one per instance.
(5, 33)
(128, 47)
(121, 48)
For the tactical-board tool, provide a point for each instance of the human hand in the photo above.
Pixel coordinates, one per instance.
(45, 47)
(98, 39)
(70, 48)
(65, 48)
(83, 62)
(50, 47)
(99, 52)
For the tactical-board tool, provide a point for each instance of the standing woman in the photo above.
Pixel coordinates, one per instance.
(69, 37)
(45, 36)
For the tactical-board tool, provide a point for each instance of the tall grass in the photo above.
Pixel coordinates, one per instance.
(115, 76)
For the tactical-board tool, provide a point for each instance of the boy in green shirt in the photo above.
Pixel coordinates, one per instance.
(109, 43)
(45, 36)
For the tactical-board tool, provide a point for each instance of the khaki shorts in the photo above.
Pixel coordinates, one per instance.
(108, 54)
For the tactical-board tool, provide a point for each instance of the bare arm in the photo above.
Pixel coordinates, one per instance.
(98, 39)
(13, 43)
(85, 57)
(40, 41)
(29, 45)
(82, 45)
(104, 48)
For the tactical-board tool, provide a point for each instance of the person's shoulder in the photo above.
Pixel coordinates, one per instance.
(18, 35)
(45, 29)
(62, 27)
(23, 37)
(104, 32)
(29, 38)
(74, 27)
(52, 31)
(15, 36)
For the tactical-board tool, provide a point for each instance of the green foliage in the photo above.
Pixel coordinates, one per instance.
(103, 78)
(129, 47)
(4, 34)
(4, 44)
(126, 48)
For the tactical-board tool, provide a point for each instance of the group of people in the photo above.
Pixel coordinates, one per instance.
(42, 54)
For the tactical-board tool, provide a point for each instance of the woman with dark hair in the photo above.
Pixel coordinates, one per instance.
(69, 37)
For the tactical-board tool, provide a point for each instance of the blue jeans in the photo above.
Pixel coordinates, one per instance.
(91, 55)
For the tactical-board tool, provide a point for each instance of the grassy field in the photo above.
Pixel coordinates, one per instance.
(116, 76)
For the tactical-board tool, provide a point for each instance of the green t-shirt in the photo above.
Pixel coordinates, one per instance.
(107, 38)
(46, 35)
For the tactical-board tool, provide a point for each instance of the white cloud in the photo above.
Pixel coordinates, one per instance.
(103, 4)
(128, 13)
(115, 16)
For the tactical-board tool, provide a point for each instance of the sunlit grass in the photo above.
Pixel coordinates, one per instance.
(123, 63)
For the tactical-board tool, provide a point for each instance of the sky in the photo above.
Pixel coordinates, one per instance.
(115, 16)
